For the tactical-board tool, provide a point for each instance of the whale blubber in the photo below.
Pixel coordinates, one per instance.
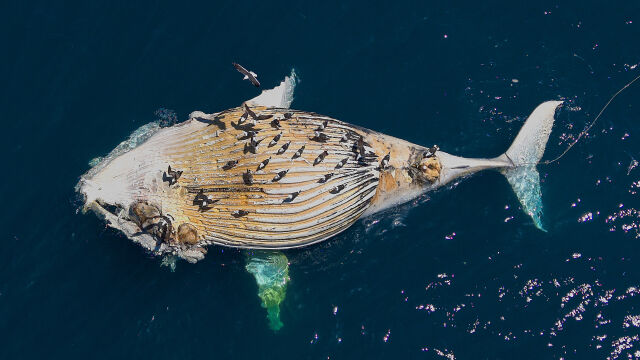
(187, 234)
(144, 214)
(430, 168)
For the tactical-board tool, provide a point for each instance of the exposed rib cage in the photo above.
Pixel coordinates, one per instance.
(296, 209)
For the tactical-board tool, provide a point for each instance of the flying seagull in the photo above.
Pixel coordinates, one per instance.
(247, 74)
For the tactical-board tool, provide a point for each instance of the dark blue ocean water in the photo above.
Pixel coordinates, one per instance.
(461, 274)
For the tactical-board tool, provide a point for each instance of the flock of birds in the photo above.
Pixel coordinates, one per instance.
(246, 123)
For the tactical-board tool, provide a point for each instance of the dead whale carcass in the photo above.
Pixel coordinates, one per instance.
(267, 177)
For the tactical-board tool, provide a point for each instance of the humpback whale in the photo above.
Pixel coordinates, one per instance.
(326, 188)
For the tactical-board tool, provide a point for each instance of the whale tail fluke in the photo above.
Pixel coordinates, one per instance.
(524, 153)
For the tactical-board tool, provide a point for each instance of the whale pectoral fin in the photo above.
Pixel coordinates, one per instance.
(280, 96)
(271, 271)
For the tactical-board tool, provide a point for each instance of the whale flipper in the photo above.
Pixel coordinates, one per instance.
(271, 271)
(524, 153)
(280, 96)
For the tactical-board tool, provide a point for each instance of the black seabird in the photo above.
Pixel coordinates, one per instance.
(204, 206)
(276, 123)
(292, 196)
(359, 148)
(323, 125)
(284, 148)
(253, 141)
(246, 135)
(298, 153)
(249, 148)
(173, 175)
(320, 157)
(249, 111)
(230, 164)
(247, 74)
(239, 213)
(200, 197)
(243, 127)
(252, 145)
(342, 163)
(337, 189)
(243, 117)
(247, 177)
(320, 137)
(325, 178)
(275, 140)
(385, 161)
(288, 115)
(253, 114)
(263, 117)
(162, 228)
(280, 175)
(264, 163)
(431, 151)
(203, 201)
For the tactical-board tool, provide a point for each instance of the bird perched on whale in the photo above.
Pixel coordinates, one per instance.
(326, 188)
(172, 176)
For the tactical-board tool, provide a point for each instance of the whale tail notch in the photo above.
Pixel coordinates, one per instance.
(524, 153)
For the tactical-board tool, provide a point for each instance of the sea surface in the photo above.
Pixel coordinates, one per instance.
(461, 273)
